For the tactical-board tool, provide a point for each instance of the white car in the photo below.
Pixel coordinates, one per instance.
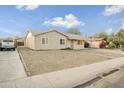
(7, 44)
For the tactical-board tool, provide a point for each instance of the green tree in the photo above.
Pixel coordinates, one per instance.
(74, 31)
(100, 35)
(117, 38)
(111, 45)
(111, 38)
(120, 36)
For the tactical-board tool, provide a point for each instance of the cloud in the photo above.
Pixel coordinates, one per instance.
(27, 7)
(109, 31)
(68, 21)
(6, 31)
(110, 10)
(122, 25)
(9, 32)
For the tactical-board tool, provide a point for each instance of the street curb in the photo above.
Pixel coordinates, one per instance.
(67, 78)
(24, 64)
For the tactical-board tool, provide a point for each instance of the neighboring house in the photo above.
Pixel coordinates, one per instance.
(52, 39)
(20, 41)
(97, 43)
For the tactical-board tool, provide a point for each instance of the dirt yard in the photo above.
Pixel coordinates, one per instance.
(39, 62)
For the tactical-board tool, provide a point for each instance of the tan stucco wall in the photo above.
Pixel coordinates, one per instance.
(53, 41)
(76, 46)
(95, 44)
(30, 41)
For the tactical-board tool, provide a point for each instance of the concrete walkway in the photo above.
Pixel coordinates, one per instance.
(67, 78)
(10, 66)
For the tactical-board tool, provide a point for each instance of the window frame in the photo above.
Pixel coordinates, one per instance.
(79, 42)
(45, 41)
(62, 41)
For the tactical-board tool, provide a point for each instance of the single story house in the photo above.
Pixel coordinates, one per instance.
(97, 43)
(52, 39)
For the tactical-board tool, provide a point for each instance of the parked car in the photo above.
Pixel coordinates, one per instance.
(7, 44)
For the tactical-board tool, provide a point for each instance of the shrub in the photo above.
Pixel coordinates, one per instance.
(66, 49)
(102, 44)
(111, 45)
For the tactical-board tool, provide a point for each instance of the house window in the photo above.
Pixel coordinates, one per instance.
(62, 41)
(44, 41)
(80, 42)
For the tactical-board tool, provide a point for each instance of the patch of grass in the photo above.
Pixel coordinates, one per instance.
(66, 49)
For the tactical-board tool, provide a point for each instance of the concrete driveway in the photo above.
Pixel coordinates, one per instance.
(10, 66)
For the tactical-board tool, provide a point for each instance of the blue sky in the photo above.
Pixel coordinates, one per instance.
(88, 19)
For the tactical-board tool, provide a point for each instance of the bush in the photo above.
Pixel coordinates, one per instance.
(111, 45)
(66, 49)
(102, 44)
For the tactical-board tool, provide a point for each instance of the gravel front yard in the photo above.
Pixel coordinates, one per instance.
(39, 62)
